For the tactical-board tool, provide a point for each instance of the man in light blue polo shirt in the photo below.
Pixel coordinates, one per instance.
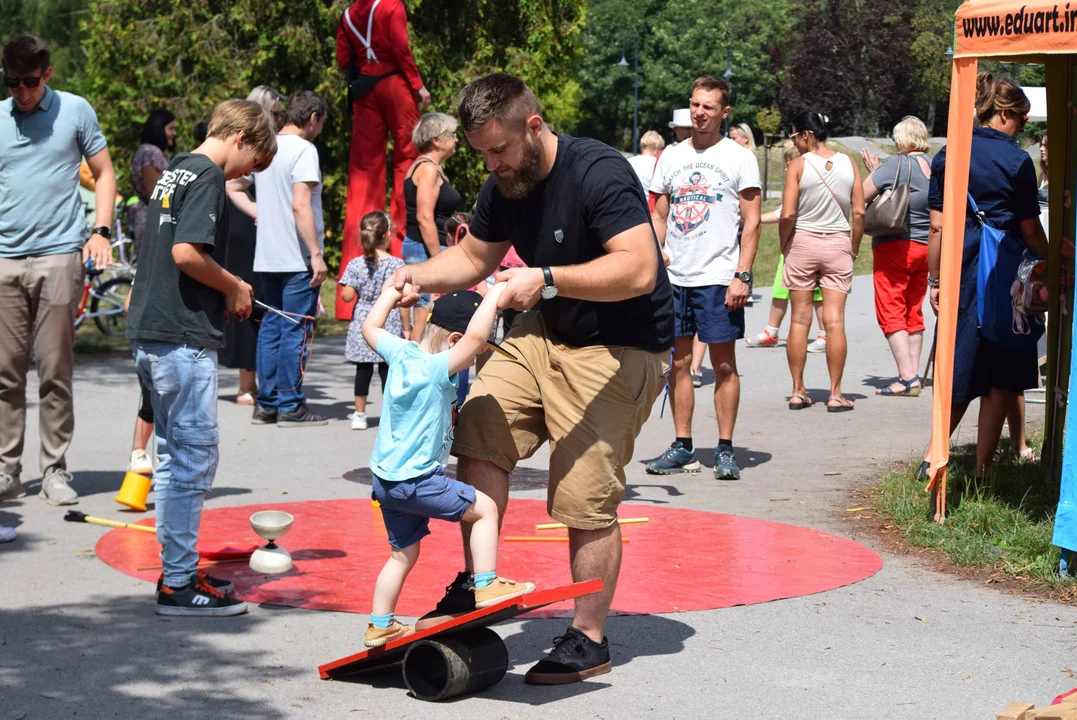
(44, 135)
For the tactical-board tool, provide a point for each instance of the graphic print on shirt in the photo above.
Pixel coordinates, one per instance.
(166, 187)
(692, 199)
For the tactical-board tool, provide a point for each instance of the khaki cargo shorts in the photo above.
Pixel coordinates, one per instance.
(589, 403)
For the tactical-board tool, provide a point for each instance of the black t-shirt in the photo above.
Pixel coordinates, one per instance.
(590, 195)
(187, 206)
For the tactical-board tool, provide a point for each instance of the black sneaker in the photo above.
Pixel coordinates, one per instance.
(300, 417)
(225, 587)
(263, 416)
(459, 600)
(574, 657)
(197, 600)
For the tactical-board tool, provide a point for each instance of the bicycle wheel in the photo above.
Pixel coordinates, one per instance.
(106, 305)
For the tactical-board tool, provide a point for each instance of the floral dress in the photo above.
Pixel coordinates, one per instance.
(367, 281)
(147, 154)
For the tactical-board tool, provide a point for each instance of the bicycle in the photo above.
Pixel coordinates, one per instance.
(106, 300)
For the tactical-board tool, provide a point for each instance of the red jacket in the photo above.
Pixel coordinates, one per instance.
(388, 41)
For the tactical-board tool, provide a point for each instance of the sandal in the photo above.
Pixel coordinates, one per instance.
(1028, 455)
(844, 406)
(908, 391)
(805, 401)
(245, 399)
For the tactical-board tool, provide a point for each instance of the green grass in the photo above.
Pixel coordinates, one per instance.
(1004, 526)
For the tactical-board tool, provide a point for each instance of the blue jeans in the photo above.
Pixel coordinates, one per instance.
(182, 382)
(281, 353)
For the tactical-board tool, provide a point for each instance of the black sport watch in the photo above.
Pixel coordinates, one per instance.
(744, 277)
(104, 231)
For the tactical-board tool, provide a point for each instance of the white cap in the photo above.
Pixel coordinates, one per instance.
(681, 118)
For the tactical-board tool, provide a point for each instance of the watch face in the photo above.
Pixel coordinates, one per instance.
(549, 292)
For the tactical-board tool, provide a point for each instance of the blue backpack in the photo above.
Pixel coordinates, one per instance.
(1001, 256)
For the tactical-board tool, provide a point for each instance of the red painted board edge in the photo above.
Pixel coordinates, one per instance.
(522, 604)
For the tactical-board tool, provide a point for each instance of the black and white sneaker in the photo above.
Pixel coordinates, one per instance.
(197, 600)
(225, 587)
(574, 657)
(459, 600)
(263, 416)
(300, 417)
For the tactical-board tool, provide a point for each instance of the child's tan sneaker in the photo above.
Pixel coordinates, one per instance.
(501, 589)
(376, 637)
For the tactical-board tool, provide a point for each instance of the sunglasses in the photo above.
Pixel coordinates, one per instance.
(28, 82)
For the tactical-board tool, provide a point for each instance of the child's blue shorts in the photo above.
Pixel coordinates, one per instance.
(408, 505)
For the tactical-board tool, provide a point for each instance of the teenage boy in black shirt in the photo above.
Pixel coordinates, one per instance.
(590, 362)
(175, 324)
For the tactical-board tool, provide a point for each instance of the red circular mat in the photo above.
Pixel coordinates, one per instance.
(677, 561)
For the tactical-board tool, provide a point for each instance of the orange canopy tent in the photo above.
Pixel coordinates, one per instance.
(1038, 32)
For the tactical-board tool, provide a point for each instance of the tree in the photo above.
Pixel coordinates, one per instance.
(56, 22)
(189, 56)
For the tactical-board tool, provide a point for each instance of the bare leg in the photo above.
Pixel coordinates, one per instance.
(391, 579)
(916, 349)
(957, 413)
(907, 359)
(796, 344)
(595, 553)
(490, 480)
(483, 528)
(993, 409)
(836, 348)
(699, 351)
(1015, 419)
(726, 387)
(360, 404)
(248, 382)
(778, 308)
(819, 320)
(143, 433)
(682, 396)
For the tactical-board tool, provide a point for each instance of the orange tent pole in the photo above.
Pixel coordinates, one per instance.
(955, 194)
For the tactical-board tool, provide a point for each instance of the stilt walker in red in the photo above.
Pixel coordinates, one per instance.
(386, 93)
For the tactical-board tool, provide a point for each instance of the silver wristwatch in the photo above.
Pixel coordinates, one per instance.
(549, 291)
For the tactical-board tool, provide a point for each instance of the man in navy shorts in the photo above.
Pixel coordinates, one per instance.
(706, 188)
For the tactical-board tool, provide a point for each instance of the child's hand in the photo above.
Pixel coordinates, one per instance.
(389, 290)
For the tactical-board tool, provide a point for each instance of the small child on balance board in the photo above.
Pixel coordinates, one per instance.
(413, 437)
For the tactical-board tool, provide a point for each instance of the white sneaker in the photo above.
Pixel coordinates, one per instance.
(7, 534)
(818, 345)
(359, 421)
(140, 463)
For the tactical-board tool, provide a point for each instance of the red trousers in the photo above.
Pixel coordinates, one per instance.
(900, 285)
(389, 109)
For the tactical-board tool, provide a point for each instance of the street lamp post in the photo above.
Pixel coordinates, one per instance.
(728, 75)
(635, 93)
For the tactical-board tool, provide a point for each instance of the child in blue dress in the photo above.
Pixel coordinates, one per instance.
(413, 438)
(362, 282)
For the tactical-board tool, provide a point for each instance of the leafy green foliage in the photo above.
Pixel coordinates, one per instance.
(188, 57)
(769, 120)
(55, 21)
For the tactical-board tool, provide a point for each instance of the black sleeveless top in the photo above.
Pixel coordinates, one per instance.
(444, 207)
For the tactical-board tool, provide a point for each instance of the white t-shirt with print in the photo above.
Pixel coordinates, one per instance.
(704, 189)
(279, 247)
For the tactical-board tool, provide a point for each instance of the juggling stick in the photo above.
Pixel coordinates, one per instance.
(76, 516)
(558, 526)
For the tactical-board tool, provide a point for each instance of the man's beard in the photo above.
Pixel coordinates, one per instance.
(526, 177)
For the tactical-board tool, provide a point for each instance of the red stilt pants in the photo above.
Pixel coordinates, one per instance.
(389, 109)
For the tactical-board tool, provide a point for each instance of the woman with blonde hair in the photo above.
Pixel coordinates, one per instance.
(741, 134)
(900, 259)
(651, 146)
(1002, 183)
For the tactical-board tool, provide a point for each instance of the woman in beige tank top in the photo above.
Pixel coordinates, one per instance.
(821, 226)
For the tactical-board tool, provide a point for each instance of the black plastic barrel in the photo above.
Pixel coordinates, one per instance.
(454, 664)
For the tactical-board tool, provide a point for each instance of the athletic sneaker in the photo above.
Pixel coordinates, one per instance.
(501, 589)
(300, 417)
(197, 600)
(263, 416)
(725, 465)
(763, 339)
(818, 345)
(458, 600)
(10, 487)
(574, 657)
(697, 379)
(219, 584)
(359, 421)
(674, 460)
(376, 636)
(56, 489)
(140, 463)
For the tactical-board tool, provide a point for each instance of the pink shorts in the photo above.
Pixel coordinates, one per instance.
(817, 259)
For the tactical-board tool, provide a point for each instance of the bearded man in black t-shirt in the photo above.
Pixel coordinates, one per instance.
(590, 358)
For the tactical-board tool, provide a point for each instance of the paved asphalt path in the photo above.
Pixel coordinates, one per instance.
(79, 639)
